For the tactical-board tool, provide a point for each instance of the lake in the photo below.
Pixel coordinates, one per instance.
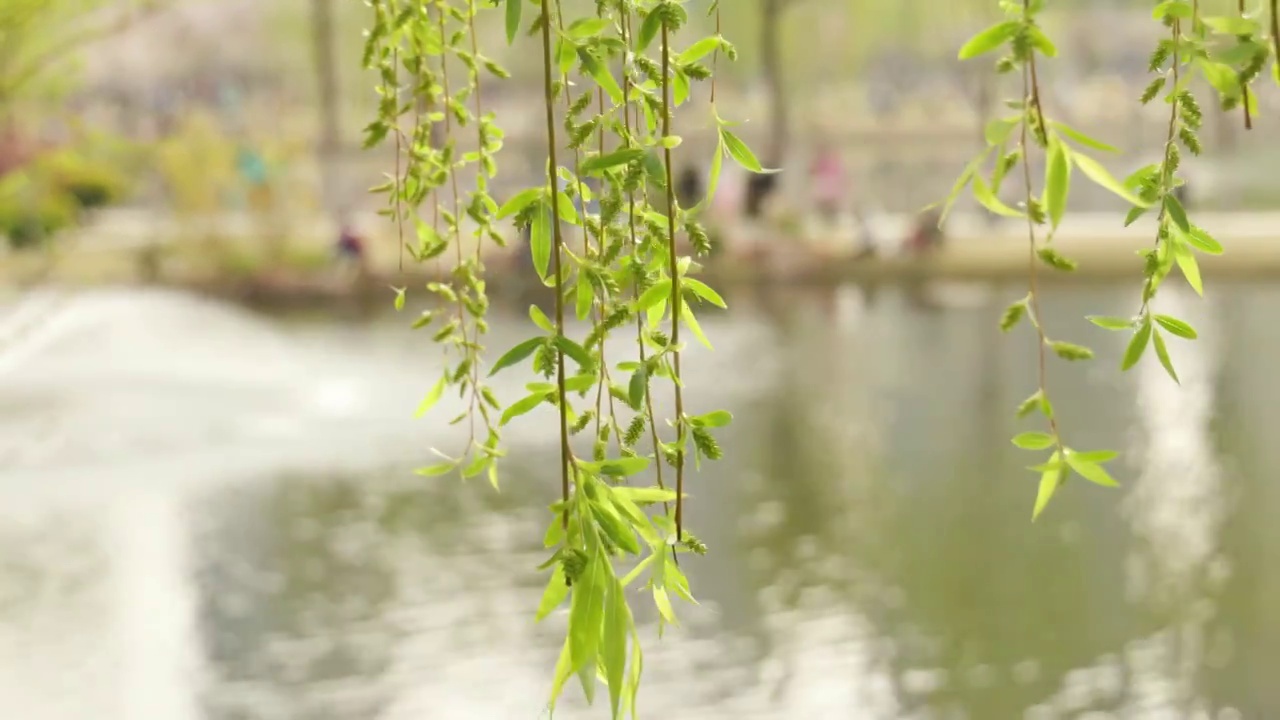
(208, 512)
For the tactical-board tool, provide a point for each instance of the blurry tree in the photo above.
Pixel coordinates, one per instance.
(38, 35)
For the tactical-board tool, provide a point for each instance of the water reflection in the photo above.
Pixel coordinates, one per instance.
(872, 555)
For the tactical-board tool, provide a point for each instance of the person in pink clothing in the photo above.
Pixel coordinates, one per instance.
(829, 182)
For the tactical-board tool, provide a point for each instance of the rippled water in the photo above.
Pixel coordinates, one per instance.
(209, 513)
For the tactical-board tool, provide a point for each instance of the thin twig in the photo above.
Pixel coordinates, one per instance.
(674, 270)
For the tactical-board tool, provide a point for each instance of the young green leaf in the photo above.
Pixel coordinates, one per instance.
(1034, 441)
(520, 201)
(1162, 353)
(700, 49)
(431, 399)
(1178, 327)
(691, 320)
(622, 467)
(1176, 212)
(1093, 472)
(513, 19)
(1071, 351)
(988, 40)
(966, 175)
(659, 292)
(540, 319)
(1103, 178)
(1137, 345)
(436, 470)
(701, 289)
(1112, 323)
(600, 163)
(1190, 268)
(1081, 138)
(541, 240)
(1012, 315)
(554, 594)
(636, 388)
(983, 194)
(1050, 480)
(516, 354)
(1042, 42)
(586, 610)
(613, 651)
(1057, 181)
(585, 298)
(740, 153)
(648, 30)
(1203, 241)
(522, 406)
(719, 418)
(575, 352)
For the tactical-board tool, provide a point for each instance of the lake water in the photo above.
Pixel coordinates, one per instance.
(207, 512)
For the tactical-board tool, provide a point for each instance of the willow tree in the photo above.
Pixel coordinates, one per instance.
(611, 79)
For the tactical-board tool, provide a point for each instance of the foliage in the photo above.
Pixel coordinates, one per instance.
(611, 81)
(1227, 51)
(53, 192)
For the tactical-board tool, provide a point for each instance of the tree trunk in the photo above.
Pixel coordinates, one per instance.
(771, 67)
(327, 79)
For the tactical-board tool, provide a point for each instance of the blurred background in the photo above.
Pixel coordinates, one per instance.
(207, 506)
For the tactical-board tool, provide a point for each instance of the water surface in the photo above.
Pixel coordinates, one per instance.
(207, 512)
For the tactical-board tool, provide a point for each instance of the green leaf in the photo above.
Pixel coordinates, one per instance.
(520, 201)
(588, 27)
(636, 388)
(586, 610)
(540, 319)
(522, 406)
(742, 154)
(1071, 351)
(966, 175)
(691, 320)
(1050, 480)
(431, 399)
(1096, 456)
(564, 668)
(1055, 259)
(586, 298)
(1203, 241)
(622, 467)
(399, 301)
(983, 194)
(1172, 8)
(1137, 345)
(1103, 178)
(513, 19)
(1177, 327)
(554, 594)
(1034, 441)
(701, 289)
(436, 470)
(718, 418)
(620, 533)
(1111, 323)
(1081, 138)
(648, 30)
(1232, 25)
(516, 354)
(1012, 315)
(1093, 472)
(998, 130)
(660, 291)
(1029, 405)
(574, 351)
(1162, 353)
(1042, 42)
(1190, 269)
(617, 625)
(645, 496)
(1176, 212)
(988, 40)
(700, 49)
(540, 239)
(1057, 181)
(599, 163)
(663, 602)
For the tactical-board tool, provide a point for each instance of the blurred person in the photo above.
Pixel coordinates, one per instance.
(350, 249)
(829, 182)
(926, 235)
